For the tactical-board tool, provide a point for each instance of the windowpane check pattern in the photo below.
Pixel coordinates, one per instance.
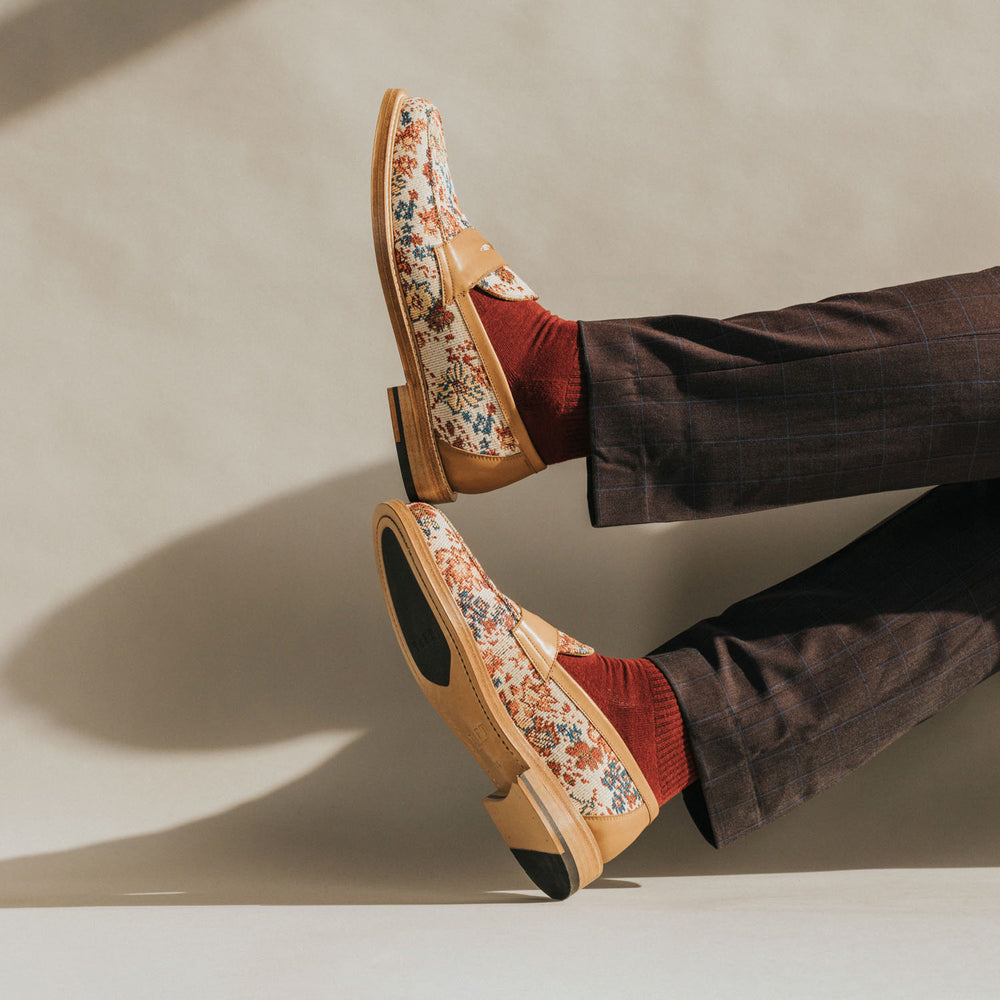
(881, 390)
(788, 691)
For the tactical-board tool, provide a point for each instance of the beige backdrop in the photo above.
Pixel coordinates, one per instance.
(201, 700)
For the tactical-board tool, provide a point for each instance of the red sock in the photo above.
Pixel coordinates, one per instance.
(540, 355)
(640, 703)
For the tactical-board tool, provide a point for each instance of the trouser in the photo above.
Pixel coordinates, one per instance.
(788, 691)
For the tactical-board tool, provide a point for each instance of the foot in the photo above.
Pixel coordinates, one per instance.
(539, 354)
(457, 423)
(569, 792)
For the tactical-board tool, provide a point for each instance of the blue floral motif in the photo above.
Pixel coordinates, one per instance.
(623, 790)
(483, 423)
(477, 611)
(403, 209)
(572, 731)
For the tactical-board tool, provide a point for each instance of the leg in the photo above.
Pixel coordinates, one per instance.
(687, 417)
(788, 691)
(569, 795)
(882, 390)
(774, 700)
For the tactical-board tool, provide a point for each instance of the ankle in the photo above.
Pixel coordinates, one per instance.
(539, 353)
(640, 703)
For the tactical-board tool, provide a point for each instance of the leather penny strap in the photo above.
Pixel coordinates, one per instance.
(465, 260)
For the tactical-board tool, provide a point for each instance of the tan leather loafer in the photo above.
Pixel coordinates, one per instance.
(569, 795)
(456, 426)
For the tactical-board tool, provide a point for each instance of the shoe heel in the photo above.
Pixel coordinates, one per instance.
(422, 478)
(546, 834)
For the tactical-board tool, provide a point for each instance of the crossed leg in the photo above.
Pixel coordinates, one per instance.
(788, 691)
(681, 417)
(881, 390)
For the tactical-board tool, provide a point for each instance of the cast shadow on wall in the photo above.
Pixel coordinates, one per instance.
(271, 625)
(51, 46)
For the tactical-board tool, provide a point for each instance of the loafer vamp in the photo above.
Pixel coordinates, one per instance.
(558, 730)
(464, 408)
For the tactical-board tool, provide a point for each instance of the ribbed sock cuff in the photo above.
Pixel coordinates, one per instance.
(639, 702)
(575, 421)
(673, 749)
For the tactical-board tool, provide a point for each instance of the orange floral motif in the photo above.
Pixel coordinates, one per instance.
(588, 756)
(573, 648)
(439, 317)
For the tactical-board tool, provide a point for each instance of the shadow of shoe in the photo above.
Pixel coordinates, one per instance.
(265, 627)
(270, 625)
(260, 629)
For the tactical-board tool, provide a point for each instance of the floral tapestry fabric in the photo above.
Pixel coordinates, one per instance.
(555, 727)
(425, 214)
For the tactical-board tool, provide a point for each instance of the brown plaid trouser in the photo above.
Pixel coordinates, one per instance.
(787, 691)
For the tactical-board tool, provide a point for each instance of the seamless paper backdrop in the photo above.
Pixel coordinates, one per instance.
(200, 694)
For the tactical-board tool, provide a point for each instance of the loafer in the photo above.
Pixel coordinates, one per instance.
(568, 795)
(456, 427)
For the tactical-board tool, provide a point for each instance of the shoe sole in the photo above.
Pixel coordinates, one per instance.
(539, 822)
(416, 448)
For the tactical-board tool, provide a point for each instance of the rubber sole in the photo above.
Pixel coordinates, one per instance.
(538, 821)
(416, 447)
(399, 433)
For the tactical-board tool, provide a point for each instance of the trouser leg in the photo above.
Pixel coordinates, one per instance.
(788, 691)
(882, 390)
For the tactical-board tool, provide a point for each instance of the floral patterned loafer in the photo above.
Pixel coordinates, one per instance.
(569, 795)
(456, 427)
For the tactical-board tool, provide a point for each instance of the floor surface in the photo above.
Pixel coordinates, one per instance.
(882, 934)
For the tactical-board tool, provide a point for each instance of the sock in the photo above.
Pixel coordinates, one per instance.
(540, 355)
(640, 703)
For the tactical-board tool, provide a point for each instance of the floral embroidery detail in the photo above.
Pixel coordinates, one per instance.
(425, 214)
(439, 317)
(573, 648)
(458, 395)
(557, 729)
(615, 778)
(503, 283)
